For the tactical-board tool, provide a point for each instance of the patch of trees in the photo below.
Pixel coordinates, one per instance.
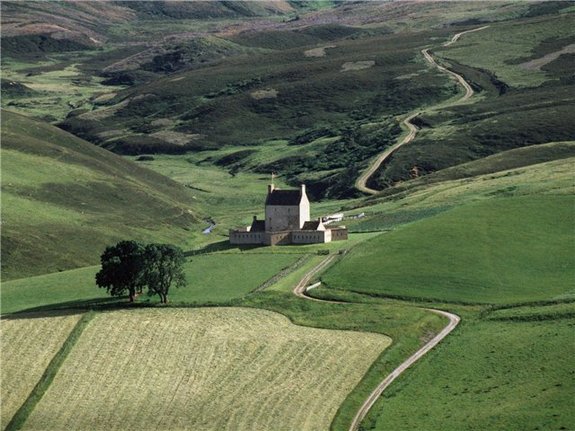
(129, 267)
(39, 43)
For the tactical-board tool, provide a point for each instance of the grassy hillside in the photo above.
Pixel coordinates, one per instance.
(475, 234)
(490, 375)
(502, 250)
(64, 200)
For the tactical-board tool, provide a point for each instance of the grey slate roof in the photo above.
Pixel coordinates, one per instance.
(258, 226)
(310, 225)
(284, 197)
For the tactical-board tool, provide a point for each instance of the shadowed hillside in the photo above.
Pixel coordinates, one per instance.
(64, 200)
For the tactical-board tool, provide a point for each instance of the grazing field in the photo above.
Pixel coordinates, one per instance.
(211, 279)
(497, 251)
(512, 376)
(27, 347)
(227, 368)
(221, 277)
(63, 288)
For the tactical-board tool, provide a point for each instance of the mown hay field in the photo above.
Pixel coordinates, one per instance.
(204, 369)
(27, 347)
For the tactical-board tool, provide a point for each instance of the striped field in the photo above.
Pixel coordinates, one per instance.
(204, 369)
(27, 347)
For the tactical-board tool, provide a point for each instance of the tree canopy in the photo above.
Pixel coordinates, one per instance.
(163, 268)
(130, 266)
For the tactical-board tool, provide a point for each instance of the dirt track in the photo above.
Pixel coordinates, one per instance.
(300, 291)
(361, 182)
(370, 401)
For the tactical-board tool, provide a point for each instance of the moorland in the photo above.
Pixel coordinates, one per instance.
(150, 121)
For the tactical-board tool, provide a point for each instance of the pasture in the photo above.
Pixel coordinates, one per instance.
(211, 279)
(489, 375)
(27, 346)
(495, 251)
(226, 368)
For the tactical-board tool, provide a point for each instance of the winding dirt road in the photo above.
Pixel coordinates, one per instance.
(300, 290)
(370, 401)
(361, 182)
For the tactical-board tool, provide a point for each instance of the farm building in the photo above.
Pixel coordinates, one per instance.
(287, 221)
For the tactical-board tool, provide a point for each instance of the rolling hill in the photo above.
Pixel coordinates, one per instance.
(35, 28)
(64, 200)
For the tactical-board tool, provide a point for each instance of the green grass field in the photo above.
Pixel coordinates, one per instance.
(200, 366)
(489, 375)
(28, 345)
(497, 251)
(211, 279)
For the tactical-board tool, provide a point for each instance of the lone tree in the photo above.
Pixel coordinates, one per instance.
(130, 266)
(122, 269)
(163, 269)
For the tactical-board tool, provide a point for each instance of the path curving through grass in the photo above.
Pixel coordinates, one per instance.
(406, 124)
(300, 290)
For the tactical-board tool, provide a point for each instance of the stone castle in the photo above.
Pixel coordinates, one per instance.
(287, 221)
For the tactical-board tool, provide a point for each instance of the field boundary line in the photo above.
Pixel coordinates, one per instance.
(407, 125)
(283, 273)
(22, 414)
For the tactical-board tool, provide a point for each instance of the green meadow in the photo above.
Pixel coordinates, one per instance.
(496, 251)
(211, 279)
(488, 375)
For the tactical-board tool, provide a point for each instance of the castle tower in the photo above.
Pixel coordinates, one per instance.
(286, 209)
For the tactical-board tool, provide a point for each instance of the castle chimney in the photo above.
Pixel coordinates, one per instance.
(270, 188)
(255, 218)
(302, 188)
